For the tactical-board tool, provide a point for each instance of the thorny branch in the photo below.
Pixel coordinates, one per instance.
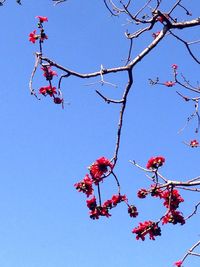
(151, 17)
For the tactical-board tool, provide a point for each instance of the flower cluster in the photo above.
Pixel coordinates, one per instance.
(147, 227)
(48, 73)
(99, 170)
(50, 90)
(103, 210)
(172, 199)
(33, 36)
(155, 162)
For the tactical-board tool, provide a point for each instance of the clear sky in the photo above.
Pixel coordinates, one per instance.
(45, 150)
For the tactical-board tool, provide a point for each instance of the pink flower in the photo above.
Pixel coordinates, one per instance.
(169, 84)
(41, 19)
(174, 66)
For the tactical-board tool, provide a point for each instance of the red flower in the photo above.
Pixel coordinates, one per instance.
(194, 143)
(91, 203)
(142, 193)
(156, 192)
(99, 211)
(107, 204)
(172, 198)
(118, 198)
(104, 212)
(155, 162)
(173, 217)
(85, 186)
(58, 100)
(42, 19)
(94, 214)
(174, 66)
(48, 90)
(99, 168)
(155, 34)
(132, 210)
(33, 36)
(48, 72)
(178, 263)
(148, 227)
(169, 84)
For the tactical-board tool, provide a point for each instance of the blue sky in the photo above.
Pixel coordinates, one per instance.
(45, 150)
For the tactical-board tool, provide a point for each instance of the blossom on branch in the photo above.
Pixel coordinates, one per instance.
(48, 72)
(99, 211)
(178, 263)
(132, 211)
(58, 100)
(194, 143)
(173, 217)
(118, 198)
(172, 199)
(33, 36)
(147, 227)
(85, 186)
(48, 90)
(175, 66)
(42, 19)
(155, 162)
(142, 193)
(99, 168)
(91, 203)
(169, 84)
